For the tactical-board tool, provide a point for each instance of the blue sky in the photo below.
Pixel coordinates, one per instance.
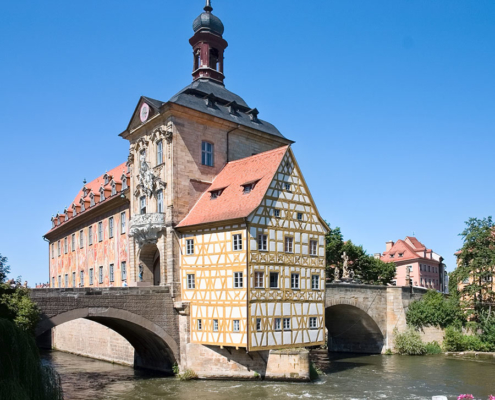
(391, 104)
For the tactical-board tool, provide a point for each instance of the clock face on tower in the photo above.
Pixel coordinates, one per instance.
(145, 112)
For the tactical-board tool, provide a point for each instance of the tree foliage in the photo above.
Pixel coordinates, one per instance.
(366, 268)
(476, 265)
(409, 343)
(4, 268)
(433, 309)
(17, 306)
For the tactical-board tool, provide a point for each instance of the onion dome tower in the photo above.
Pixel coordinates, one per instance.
(208, 46)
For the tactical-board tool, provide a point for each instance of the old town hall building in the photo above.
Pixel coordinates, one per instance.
(212, 204)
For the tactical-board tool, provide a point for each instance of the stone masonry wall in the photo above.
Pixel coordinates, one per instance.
(91, 339)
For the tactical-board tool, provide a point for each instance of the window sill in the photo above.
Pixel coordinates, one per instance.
(259, 287)
(274, 288)
(296, 289)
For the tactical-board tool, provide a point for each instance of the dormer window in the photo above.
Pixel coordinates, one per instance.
(391, 256)
(105, 178)
(248, 188)
(66, 214)
(215, 193)
(53, 222)
(85, 191)
(114, 188)
(102, 194)
(91, 199)
(124, 181)
(74, 210)
(82, 204)
(401, 254)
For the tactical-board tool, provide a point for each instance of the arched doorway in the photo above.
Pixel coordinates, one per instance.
(149, 270)
(352, 330)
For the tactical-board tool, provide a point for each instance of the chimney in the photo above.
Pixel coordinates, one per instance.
(389, 244)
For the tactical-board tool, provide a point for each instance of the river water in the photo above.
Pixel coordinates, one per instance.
(346, 377)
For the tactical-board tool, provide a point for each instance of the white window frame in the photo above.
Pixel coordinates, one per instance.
(207, 154)
(277, 281)
(122, 223)
(238, 280)
(91, 276)
(53, 251)
(142, 205)
(189, 246)
(81, 239)
(262, 242)
(313, 323)
(237, 242)
(60, 281)
(123, 270)
(110, 227)
(159, 201)
(66, 245)
(259, 279)
(289, 244)
(215, 325)
(90, 236)
(258, 324)
(112, 277)
(200, 324)
(287, 186)
(276, 213)
(81, 278)
(191, 281)
(236, 325)
(159, 152)
(59, 249)
(66, 280)
(277, 324)
(315, 282)
(300, 216)
(73, 242)
(100, 231)
(313, 247)
(74, 279)
(100, 275)
(286, 324)
(294, 281)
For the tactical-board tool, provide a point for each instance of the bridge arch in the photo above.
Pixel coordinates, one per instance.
(154, 348)
(352, 329)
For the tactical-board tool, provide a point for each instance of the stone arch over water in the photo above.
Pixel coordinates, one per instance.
(154, 348)
(351, 329)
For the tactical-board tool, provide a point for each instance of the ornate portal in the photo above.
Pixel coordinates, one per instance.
(146, 228)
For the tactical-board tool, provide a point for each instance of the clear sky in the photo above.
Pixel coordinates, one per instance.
(391, 104)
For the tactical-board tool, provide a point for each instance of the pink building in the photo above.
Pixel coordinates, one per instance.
(425, 266)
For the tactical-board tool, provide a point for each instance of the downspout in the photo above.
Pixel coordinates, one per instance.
(228, 134)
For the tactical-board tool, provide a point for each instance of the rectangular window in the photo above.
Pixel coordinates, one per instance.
(312, 323)
(91, 273)
(274, 280)
(159, 152)
(53, 281)
(123, 270)
(110, 227)
(287, 186)
(236, 325)
(276, 212)
(315, 282)
(259, 279)
(122, 223)
(299, 216)
(207, 154)
(289, 244)
(294, 281)
(286, 324)
(215, 325)
(59, 281)
(81, 279)
(100, 231)
(100, 275)
(313, 247)
(262, 243)
(111, 273)
(58, 248)
(190, 246)
(66, 280)
(200, 325)
(429, 268)
(159, 201)
(191, 281)
(73, 242)
(90, 236)
(73, 279)
(66, 246)
(238, 280)
(277, 324)
(258, 324)
(81, 239)
(53, 250)
(237, 242)
(142, 205)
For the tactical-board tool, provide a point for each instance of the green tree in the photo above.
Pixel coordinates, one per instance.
(366, 268)
(17, 306)
(4, 268)
(476, 265)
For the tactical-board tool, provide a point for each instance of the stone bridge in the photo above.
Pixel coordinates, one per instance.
(362, 318)
(144, 316)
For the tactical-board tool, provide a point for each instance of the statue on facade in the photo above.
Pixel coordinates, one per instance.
(336, 274)
(345, 267)
(408, 276)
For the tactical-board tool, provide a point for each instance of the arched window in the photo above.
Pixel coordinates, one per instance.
(214, 59)
(197, 59)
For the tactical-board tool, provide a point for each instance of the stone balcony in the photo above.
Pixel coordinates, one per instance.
(145, 228)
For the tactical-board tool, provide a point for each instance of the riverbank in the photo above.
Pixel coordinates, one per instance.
(489, 357)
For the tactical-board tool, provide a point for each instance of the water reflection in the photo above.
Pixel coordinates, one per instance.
(347, 377)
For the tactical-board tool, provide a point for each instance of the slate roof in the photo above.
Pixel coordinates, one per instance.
(195, 96)
(232, 203)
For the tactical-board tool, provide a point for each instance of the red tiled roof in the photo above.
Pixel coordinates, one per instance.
(233, 203)
(416, 243)
(408, 252)
(94, 186)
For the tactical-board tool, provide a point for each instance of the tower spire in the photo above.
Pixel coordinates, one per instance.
(208, 7)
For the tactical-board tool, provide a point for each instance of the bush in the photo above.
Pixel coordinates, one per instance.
(187, 375)
(21, 374)
(433, 348)
(17, 306)
(409, 343)
(435, 310)
(314, 371)
(455, 340)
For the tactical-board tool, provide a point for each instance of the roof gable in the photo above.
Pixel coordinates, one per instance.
(233, 202)
(154, 109)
